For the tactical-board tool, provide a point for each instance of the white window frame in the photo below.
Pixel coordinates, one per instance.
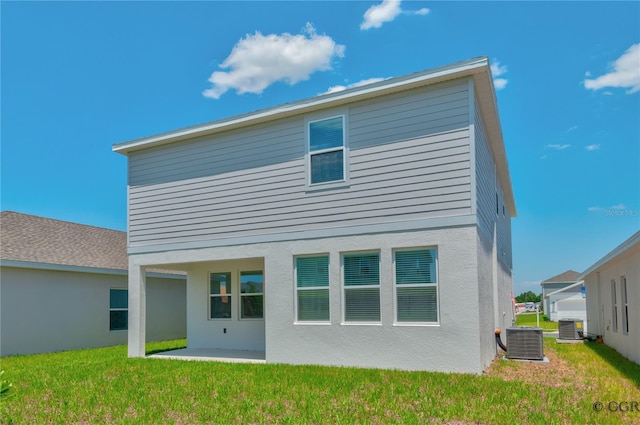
(416, 285)
(344, 148)
(118, 309)
(230, 295)
(249, 294)
(297, 321)
(625, 305)
(614, 307)
(344, 287)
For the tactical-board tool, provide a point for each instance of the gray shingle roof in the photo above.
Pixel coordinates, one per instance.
(36, 239)
(568, 276)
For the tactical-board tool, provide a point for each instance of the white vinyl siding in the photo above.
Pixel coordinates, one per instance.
(625, 304)
(408, 158)
(118, 309)
(312, 288)
(614, 307)
(220, 306)
(361, 282)
(416, 286)
(251, 295)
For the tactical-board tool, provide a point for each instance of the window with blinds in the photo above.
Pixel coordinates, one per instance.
(361, 279)
(614, 307)
(326, 150)
(416, 286)
(312, 288)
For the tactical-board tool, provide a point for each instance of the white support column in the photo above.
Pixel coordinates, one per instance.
(137, 310)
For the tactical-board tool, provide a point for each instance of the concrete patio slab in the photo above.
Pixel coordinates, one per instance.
(212, 355)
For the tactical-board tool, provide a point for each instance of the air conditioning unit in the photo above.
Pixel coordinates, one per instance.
(570, 329)
(524, 342)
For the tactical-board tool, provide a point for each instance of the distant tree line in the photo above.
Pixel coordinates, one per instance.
(528, 297)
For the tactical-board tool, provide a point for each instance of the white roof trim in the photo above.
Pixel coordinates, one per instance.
(633, 240)
(573, 285)
(80, 269)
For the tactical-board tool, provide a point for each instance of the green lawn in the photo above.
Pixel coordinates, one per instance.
(104, 386)
(529, 319)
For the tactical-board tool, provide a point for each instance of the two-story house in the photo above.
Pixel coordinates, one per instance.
(369, 227)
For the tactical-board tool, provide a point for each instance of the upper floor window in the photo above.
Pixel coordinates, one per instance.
(327, 150)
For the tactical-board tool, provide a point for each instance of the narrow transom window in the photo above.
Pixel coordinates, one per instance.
(118, 309)
(220, 295)
(614, 306)
(326, 150)
(625, 304)
(251, 295)
(416, 286)
(312, 288)
(361, 277)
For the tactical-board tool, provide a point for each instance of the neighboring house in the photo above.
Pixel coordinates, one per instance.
(568, 303)
(613, 298)
(557, 283)
(369, 227)
(63, 286)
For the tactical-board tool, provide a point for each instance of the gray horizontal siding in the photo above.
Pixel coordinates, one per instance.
(487, 186)
(409, 159)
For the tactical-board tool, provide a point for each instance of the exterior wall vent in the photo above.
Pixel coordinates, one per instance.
(524, 342)
(570, 329)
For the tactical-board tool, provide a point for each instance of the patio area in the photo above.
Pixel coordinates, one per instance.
(212, 355)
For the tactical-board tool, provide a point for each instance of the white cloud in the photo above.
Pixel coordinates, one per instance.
(593, 147)
(257, 61)
(497, 70)
(558, 147)
(422, 11)
(335, 89)
(625, 73)
(377, 15)
(594, 209)
(617, 207)
(575, 127)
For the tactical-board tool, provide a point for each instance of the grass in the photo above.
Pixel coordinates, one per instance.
(104, 386)
(529, 319)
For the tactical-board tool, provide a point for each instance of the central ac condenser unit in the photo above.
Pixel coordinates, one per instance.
(524, 342)
(570, 329)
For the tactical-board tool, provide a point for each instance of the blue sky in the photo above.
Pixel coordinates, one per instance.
(77, 77)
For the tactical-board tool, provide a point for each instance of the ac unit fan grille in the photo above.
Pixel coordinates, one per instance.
(524, 343)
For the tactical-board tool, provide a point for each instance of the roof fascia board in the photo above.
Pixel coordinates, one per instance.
(633, 240)
(79, 269)
(573, 285)
(433, 76)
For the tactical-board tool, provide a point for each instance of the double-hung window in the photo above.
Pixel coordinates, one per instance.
(416, 285)
(220, 296)
(625, 304)
(251, 295)
(312, 288)
(327, 154)
(118, 309)
(361, 279)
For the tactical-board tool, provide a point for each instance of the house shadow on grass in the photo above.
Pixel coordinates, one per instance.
(161, 346)
(625, 366)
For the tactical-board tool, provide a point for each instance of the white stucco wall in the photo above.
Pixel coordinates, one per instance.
(454, 344)
(599, 303)
(234, 333)
(46, 310)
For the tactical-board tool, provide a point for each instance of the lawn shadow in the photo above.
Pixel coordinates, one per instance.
(625, 366)
(159, 347)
